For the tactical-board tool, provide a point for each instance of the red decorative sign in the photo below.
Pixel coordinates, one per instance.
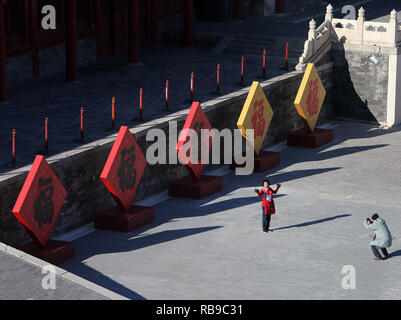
(40, 201)
(196, 121)
(124, 168)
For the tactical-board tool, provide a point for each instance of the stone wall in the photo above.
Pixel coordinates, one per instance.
(360, 81)
(79, 169)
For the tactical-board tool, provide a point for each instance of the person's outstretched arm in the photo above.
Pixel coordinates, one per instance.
(278, 187)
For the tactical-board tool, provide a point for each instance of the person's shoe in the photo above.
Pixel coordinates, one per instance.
(265, 230)
(271, 230)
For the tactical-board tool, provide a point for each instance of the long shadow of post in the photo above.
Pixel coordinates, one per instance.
(309, 223)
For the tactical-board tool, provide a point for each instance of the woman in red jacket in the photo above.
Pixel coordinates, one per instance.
(268, 204)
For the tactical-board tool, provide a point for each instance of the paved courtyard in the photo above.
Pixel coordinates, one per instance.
(215, 249)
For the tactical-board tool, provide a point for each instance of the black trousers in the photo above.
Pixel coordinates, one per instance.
(265, 220)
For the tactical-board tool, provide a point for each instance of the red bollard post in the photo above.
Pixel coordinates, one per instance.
(13, 148)
(141, 103)
(218, 78)
(242, 69)
(82, 123)
(167, 84)
(286, 56)
(113, 113)
(192, 86)
(264, 62)
(47, 134)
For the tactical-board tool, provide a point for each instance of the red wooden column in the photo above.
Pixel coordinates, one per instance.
(189, 23)
(133, 32)
(71, 40)
(34, 38)
(237, 9)
(153, 15)
(97, 7)
(3, 90)
(279, 6)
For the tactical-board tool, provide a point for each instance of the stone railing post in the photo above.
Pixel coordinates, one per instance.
(329, 13)
(312, 34)
(392, 27)
(359, 26)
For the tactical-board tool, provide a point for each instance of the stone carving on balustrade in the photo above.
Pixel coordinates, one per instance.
(359, 31)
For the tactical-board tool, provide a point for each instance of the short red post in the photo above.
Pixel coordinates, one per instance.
(286, 56)
(141, 103)
(82, 123)
(264, 62)
(242, 69)
(47, 134)
(192, 86)
(167, 84)
(13, 148)
(218, 78)
(113, 113)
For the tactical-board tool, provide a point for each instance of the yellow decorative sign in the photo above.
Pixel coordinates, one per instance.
(310, 97)
(256, 114)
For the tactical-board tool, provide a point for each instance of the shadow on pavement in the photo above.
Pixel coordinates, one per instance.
(104, 242)
(394, 254)
(309, 223)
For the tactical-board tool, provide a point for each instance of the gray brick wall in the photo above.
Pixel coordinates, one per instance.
(359, 85)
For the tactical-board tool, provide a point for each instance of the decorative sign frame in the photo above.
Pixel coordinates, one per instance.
(310, 97)
(196, 120)
(40, 201)
(124, 168)
(256, 114)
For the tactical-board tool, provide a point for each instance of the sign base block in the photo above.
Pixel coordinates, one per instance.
(302, 138)
(55, 252)
(114, 219)
(265, 160)
(187, 187)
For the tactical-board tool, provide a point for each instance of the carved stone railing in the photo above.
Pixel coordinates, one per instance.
(357, 31)
(318, 41)
(368, 32)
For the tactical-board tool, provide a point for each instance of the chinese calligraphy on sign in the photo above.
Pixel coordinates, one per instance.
(196, 121)
(256, 114)
(258, 122)
(127, 172)
(310, 97)
(44, 206)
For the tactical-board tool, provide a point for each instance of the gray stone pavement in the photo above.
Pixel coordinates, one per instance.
(215, 249)
(21, 279)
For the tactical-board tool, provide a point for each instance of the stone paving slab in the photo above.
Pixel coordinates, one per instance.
(215, 249)
(22, 280)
